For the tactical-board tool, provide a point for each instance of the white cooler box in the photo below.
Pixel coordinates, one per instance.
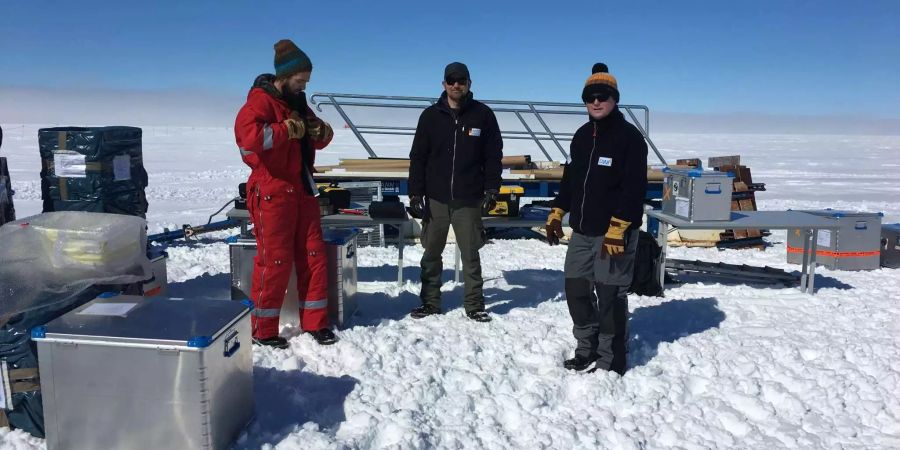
(340, 245)
(130, 372)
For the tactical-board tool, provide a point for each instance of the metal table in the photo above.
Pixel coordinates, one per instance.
(502, 222)
(771, 220)
(243, 216)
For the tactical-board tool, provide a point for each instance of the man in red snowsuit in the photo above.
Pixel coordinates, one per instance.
(278, 134)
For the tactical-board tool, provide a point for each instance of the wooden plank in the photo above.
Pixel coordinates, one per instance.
(719, 161)
(692, 162)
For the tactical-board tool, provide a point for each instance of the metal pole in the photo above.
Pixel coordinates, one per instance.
(544, 124)
(811, 279)
(663, 240)
(349, 123)
(804, 281)
(525, 124)
(400, 255)
(646, 136)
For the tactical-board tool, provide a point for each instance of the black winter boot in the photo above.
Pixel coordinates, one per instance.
(579, 362)
(275, 342)
(478, 315)
(324, 336)
(424, 311)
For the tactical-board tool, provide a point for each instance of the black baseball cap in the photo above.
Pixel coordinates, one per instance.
(456, 70)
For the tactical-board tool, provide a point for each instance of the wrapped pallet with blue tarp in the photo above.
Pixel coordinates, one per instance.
(53, 263)
(93, 169)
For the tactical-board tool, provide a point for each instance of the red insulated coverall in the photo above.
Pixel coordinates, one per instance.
(285, 216)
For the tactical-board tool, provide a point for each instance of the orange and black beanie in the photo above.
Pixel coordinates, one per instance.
(600, 82)
(289, 59)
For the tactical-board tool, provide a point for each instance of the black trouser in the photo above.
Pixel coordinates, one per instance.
(600, 321)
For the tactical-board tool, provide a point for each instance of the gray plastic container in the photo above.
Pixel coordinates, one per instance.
(130, 372)
(854, 246)
(697, 195)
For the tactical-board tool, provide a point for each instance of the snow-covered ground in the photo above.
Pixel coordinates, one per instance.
(711, 365)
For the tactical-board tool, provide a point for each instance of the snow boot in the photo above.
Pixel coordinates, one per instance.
(579, 363)
(478, 315)
(274, 342)
(324, 336)
(424, 311)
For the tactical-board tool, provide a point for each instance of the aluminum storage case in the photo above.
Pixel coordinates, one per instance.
(129, 372)
(697, 195)
(158, 284)
(341, 248)
(890, 245)
(340, 245)
(854, 246)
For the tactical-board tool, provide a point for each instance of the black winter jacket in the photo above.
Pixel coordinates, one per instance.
(606, 177)
(456, 158)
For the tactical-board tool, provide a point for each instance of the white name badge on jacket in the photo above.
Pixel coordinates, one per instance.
(475, 132)
(604, 161)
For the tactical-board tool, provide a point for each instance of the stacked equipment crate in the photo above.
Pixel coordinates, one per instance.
(93, 169)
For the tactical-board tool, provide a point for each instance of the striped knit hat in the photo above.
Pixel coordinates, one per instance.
(289, 59)
(600, 81)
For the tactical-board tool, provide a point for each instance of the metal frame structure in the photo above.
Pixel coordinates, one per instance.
(521, 109)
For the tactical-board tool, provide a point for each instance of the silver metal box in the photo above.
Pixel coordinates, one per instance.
(158, 284)
(340, 245)
(854, 246)
(697, 195)
(890, 245)
(130, 372)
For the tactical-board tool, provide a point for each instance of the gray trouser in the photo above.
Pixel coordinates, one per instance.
(465, 216)
(597, 296)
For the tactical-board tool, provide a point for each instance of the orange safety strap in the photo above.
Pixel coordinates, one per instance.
(834, 254)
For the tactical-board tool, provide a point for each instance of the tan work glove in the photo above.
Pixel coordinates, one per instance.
(295, 128)
(319, 130)
(553, 228)
(614, 241)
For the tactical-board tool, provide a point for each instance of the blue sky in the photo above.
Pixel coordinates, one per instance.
(778, 57)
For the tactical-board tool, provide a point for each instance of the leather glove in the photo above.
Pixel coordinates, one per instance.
(490, 200)
(295, 128)
(614, 241)
(319, 130)
(416, 207)
(553, 228)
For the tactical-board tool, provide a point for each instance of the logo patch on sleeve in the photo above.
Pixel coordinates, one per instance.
(604, 161)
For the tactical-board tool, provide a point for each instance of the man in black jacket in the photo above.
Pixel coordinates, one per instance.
(7, 211)
(603, 190)
(454, 172)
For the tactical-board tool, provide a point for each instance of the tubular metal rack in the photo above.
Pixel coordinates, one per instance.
(530, 114)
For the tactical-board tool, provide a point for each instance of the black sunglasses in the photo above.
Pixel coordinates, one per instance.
(602, 96)
(451, 81)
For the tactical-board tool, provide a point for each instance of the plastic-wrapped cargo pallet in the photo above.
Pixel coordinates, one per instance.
(93, 169)
(51, 264)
